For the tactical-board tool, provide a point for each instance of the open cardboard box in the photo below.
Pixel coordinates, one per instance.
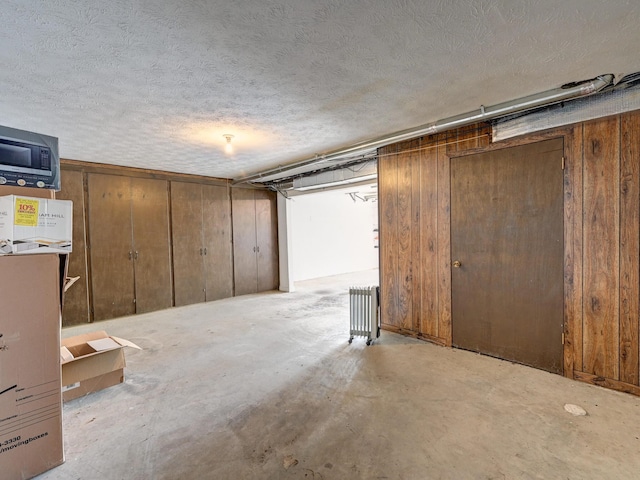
(91, 362)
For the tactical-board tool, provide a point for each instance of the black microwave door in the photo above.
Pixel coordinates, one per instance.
(16, 155)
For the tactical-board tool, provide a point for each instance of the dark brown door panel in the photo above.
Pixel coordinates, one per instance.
(507, 253)
(152, 253)
(188, 252)
(111, 252)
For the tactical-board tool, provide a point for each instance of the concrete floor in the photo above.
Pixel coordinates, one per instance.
(267, 387)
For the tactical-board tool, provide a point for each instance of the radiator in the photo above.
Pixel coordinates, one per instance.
(364, 313)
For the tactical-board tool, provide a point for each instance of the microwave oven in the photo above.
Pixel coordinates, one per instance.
(28, 159)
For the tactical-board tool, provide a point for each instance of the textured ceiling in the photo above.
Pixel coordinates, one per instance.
(155, 84)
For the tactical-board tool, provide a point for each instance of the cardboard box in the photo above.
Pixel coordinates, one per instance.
(27, 192)
(35, 225)
(91, 362)
(30, 400)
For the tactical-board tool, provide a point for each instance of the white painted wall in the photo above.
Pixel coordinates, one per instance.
(332, 234)
(284, 245)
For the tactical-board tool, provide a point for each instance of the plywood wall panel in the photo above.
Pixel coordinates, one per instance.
(403, 245)
(573, 251)
(414, 233)
(601, 235)
(444, 236)
(429, 237)
(388, 195)
(466, 139)
(629, 245)
(484, 137)
(416, 248)
(601, 247)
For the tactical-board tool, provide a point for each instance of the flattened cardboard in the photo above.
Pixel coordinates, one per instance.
(65, 355)
(69, 281)
(94, 358)
(125, 343)
(30, 403)
(103, 344)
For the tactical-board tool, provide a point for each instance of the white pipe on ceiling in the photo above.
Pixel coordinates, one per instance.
(530, 102)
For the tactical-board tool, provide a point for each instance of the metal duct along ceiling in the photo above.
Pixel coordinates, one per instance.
(531, 102)
(621, 98)
(316, 165)
(334, 178)
(356, 172)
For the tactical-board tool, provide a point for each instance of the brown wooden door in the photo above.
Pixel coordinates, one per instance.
(218, 257)
(507, 234)
(244, 241)
(188, 250)
(76, 299)
(152, 252)
(109, 213)
(266, 240)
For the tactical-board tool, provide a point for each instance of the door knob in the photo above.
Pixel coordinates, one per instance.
(457, 264)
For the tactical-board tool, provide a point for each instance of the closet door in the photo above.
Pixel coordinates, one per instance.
(188, 251)
(218, 258)
(267, 240)
(109, 213)
(244, 241)
(507, 280)
(76, 300)
(152, 249)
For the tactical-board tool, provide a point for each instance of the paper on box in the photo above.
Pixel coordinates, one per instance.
(35, 225)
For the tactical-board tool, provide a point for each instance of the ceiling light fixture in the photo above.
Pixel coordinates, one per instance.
(228, 148)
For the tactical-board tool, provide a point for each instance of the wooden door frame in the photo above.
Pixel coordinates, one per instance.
(572, 213)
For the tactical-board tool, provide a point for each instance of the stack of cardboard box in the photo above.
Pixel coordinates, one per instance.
(31, 288)
(35, 238)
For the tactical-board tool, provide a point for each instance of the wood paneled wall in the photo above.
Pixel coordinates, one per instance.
(606, 327)
(413, 192)
(602, 241)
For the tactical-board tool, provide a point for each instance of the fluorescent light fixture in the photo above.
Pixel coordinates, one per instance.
(347, 181)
